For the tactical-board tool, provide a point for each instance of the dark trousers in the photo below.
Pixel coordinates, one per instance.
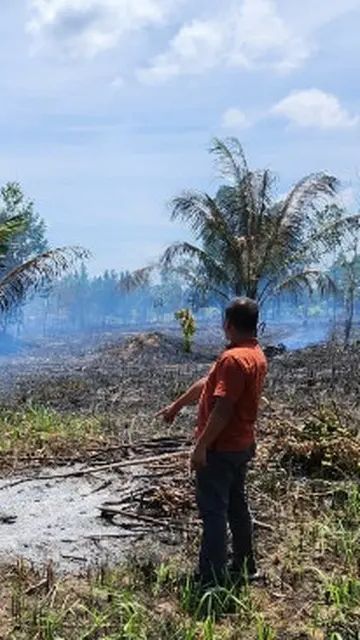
(221, 499)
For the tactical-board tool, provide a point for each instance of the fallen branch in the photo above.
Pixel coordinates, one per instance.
(36, 587)
(263, 525)
(150, 476)
(131, 496)
(115, 536)
(107, 510)
(103, 486)
(76, 558)
(104, 467)
(112, 508)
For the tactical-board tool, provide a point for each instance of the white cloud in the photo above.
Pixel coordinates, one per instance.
(234, 119)
(315, 108)
(250, 35)
(196, 48)
(87, 27)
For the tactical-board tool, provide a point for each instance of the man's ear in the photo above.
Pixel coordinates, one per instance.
(226, 325)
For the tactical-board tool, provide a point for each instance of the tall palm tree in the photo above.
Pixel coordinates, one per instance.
(250, 243)
(33, 273)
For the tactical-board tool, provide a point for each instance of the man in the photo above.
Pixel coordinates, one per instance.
(228, 400)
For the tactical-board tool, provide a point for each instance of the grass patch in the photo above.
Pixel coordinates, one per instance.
(116, 605)
(39, 431)
(149, 600)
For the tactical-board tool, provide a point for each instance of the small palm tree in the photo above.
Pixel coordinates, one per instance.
(251, 243)
(188, 327)
(34, 273)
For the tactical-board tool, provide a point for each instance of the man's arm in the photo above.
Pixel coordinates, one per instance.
(219, 418)
(191, 396)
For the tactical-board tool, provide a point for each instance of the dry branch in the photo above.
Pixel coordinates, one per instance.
(107, 510)
(104, 467)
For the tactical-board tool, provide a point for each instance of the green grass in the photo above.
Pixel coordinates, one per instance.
(36, 430)
(160, 602)
(343, 592)
(310, 557)
(115, 605)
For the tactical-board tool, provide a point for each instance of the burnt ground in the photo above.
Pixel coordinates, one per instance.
(303, 482)
(120, 383)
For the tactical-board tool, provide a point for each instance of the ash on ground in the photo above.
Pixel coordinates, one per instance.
(60, 520)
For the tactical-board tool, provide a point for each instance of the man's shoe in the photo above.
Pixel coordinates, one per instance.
(255, 577)
(241, 577)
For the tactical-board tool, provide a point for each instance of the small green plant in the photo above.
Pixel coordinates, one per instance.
(189, 595)
(188, 327)
(216, 601)
(209, 629)
(263, 630)
(343, 592)
(163, 576)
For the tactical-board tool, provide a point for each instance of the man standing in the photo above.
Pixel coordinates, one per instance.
(228, 400)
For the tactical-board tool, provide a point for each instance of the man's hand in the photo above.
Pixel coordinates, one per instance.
(169, 413)
(198, 457)
(191, 396)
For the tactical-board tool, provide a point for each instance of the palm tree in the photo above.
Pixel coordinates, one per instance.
(251, 243)
(34, 273)
(349, 266)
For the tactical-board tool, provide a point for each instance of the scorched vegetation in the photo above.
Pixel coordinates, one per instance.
(304, 490)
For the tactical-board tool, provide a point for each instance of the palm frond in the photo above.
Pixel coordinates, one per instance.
(231, 158)
(208, 219)
(192, 207)
(325, 234)
(316, 187)
(10, 228)
(290, 219)
(196, 278)
(215, 271)
(136, 280)
(297, 213)
(201, 211)
(264, 195)
(234, 167)
(38, 272)
(310, 279)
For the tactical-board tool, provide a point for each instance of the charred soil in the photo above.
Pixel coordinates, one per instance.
(84, 420)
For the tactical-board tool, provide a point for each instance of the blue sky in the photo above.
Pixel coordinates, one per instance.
(108, 106)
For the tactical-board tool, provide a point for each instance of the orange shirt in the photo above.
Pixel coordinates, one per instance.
(239, 375)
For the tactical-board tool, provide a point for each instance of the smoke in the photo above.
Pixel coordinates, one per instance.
(301, 336)
(83, 306)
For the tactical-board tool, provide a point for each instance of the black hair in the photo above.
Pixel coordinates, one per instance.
(243, 315)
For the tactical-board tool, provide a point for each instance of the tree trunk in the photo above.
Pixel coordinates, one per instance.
(349, 316)
(250, 291)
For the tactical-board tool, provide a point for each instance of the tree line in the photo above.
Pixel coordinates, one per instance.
(299, 249)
